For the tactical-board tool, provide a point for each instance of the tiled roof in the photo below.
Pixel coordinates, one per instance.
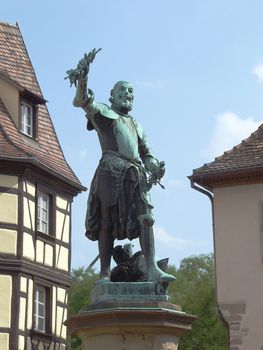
(247, 156)
(46, 151)
(14, 60)
(8, 148)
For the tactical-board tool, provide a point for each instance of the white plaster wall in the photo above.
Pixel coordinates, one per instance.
(238, 256)
(49, 253)
(28, 344)
(23, 284)
(64, 328)
(8, 181)
(54, 298)
(28, 246)
(29, 188)
(61, 292)
(10, 97)
(62, 226)
(58, 347)
(40, 346)
(61, 257)
(21, 342)
(29, 214)
(5, 300)
(9, 208)
(8, 242)
(59, 314)
(237, 235)
(61, 330)
(62, 203)
(22, 314)
(40, 251)
(4, 341)
(30, 305)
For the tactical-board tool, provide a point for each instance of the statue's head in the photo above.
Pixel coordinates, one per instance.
(121, 97)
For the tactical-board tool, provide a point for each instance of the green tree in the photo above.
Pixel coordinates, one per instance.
(194, 291)
(82, 282)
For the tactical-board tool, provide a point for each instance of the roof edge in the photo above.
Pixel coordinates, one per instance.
(11, 81)
(30, 160)
(30, 62)
(10, 25)
(229, 177)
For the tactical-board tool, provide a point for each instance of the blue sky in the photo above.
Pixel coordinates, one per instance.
(197, 71)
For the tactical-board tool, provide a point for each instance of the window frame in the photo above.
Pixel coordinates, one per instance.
(40, 303)
(26, 104)
(47, 304)
(50, 222)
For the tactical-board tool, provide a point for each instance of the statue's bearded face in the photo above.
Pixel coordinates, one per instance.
(122, 96)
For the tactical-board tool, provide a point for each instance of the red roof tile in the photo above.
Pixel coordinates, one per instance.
(247, 157)
(14, 59)
(15, 63)
(8, 148)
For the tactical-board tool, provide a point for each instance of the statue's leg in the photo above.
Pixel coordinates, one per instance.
(105, 243)
(147, 245)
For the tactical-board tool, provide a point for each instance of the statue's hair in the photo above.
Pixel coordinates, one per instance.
(115, 87)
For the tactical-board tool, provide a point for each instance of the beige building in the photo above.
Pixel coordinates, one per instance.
(37, 187)
(234, 183)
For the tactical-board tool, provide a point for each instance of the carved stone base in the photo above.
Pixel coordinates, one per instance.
(138, 326)
(130, 316)
(130, 342)
(128, 291)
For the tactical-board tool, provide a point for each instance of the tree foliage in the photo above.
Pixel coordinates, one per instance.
(82, 282)
(193, 290)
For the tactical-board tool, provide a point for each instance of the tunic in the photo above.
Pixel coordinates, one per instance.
(120, 180)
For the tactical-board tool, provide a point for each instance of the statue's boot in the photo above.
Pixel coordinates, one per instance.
(155, 274)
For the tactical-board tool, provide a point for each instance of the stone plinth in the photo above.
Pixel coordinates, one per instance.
(145, 326)
(130, 316)
(128, 291)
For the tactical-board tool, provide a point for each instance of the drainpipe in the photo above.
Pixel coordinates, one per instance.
(211, 197)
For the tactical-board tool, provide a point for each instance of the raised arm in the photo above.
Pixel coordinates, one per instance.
(79, 77)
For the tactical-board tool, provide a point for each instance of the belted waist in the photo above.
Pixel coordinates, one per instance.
(135, 161)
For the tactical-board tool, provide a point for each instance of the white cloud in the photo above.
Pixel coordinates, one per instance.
(156, 84)
(167, 245)
(258, 72)
(177, 248)
(230, 129)
(165, 238)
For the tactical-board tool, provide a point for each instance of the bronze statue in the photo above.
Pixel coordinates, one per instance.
(119, 204)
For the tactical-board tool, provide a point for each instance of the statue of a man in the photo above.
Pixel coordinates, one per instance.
(119, 204)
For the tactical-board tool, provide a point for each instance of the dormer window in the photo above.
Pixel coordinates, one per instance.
(28, 119)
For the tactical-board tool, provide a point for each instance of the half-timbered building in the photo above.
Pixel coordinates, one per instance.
(37, 188)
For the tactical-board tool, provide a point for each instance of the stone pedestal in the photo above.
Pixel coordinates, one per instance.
(117, 320)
